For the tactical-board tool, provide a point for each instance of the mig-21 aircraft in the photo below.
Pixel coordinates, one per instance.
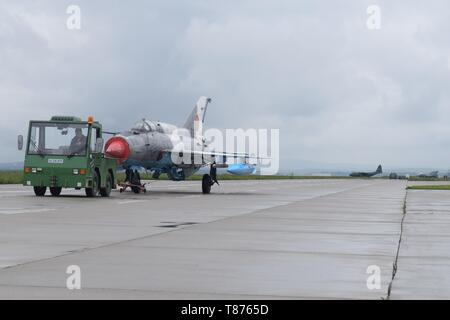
(176, 151)
(431, 175)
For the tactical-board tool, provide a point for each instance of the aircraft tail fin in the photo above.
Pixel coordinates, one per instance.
(379, 169)
(194, 122)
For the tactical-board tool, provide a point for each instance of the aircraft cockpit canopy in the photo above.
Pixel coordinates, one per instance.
(143, 126)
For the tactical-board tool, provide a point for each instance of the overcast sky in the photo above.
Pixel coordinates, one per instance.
(338, 91)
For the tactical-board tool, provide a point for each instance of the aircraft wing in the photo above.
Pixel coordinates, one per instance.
(227, 154)
(210, 156)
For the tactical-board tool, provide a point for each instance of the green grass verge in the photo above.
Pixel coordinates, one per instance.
(198, 177)
(11, 177)
(435, 187)
(16, 177)
(413, 178)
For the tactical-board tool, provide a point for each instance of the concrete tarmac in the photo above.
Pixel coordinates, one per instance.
(271, 239)
(424, 255)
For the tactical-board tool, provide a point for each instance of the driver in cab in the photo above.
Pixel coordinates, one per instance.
(78, 143)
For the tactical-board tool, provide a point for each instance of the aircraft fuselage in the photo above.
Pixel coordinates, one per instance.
(155, 148)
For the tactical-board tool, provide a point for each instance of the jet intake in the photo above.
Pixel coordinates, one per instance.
(117, 148)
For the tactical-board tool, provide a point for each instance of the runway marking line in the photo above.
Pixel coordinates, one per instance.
(22, 210)
(131, 201)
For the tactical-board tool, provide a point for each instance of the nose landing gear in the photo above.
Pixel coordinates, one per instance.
(132, 181)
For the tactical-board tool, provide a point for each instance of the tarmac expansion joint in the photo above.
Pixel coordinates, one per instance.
(395, 264)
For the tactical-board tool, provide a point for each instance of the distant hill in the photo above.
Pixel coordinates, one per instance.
(11, 166)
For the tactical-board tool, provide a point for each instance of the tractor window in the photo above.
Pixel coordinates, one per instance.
(94, 135)
(58, 139)
(34, 140)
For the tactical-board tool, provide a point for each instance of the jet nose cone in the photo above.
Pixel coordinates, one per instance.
(118, 148)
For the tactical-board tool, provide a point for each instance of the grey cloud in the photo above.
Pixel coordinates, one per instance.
(338, 92)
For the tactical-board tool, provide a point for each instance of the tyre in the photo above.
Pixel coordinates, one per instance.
(93, 192)
(135, 189)
(106, 191)
(40, 191)
(55, 191)
(206, 184)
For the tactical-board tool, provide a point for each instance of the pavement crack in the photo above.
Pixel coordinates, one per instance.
(395, 263)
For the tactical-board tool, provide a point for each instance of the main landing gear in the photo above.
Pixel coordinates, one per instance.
(210, 179)
(206, 184)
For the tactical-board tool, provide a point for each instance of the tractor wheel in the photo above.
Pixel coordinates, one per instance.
(55, 191)
(92, 192)
(40, 191)
(106, 191)
(206, 184)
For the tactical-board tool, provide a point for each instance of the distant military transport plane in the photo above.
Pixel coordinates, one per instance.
(163, 148)
(367, 174)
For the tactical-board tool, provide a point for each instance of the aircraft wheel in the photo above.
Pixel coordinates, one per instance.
(55, 191)
(92, 192)
(40, 191)
(206, 184)
(106, 191)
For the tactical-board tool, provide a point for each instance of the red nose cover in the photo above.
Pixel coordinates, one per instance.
(117, 148)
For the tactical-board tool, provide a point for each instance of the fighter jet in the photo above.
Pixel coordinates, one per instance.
(367, 174)
(432, 174)
(176, 151)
